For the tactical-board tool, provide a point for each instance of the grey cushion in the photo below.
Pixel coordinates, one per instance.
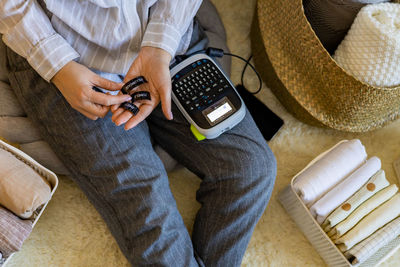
(331, 19)
(3, 71)
(18, 130)
(42, 153)
(9, 105)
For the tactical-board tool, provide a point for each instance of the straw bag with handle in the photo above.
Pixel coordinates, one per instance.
(306, 79)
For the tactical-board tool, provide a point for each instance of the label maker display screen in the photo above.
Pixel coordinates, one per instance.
(219, 111)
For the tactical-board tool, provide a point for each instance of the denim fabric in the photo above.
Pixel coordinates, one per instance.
(125, 180)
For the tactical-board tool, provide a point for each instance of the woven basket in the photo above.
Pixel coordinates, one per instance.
(306, 79)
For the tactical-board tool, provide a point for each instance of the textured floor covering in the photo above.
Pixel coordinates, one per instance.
(71, 233)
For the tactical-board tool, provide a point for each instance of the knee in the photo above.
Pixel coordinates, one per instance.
(265, 162)
(260, 166)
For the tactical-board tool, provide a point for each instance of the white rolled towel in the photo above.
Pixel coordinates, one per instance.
(340, 193)
(370, 188)
(371, 49)
(362, 211)
(363, 250)
(328, 170)
(369, 224)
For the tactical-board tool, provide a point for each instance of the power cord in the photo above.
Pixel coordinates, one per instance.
(216, 52)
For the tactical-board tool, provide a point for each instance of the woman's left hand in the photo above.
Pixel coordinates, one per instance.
(153, 64)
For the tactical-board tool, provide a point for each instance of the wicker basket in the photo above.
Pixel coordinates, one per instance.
(306, 79)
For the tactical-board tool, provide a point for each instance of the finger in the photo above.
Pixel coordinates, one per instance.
(114, 108)
(88, 115)
(144, 112)
(104, 110)
(123, 117)
(107, 84)
(108, 100)
(165, 96)
(96, 110)
(116, 114)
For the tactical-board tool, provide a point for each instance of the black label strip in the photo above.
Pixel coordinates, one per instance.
(141, 95)
(130, 107)
(132, 84)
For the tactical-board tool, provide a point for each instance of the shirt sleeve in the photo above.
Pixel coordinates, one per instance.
(28, 31)
(168, 22)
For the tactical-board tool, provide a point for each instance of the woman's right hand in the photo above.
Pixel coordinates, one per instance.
(75, 82)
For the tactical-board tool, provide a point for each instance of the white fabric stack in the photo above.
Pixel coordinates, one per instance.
(360, 252)
(350, 199)
(374, 185)
(329, 170)
(371, 49)
(372, 222)
(362, 211)
(331, 200)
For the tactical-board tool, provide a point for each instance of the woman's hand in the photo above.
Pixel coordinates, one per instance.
(75, 82)
(153, 64)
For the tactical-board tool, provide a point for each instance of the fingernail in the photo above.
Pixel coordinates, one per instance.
(171, 116)
(128, 98)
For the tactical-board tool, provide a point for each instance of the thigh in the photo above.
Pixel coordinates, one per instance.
(237, 171)
(212, 158)
(83, 143)
(118, 170)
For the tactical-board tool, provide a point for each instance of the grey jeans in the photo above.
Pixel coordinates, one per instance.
(125, 180)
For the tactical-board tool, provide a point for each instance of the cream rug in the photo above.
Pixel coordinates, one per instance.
(71, 233)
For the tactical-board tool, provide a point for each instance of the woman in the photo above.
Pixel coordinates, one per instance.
(59, 50)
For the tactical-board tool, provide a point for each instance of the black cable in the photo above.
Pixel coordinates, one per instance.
(244, 69)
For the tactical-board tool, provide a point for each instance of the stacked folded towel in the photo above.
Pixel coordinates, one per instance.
(13, 232)
(360, 212)
(372, 222)
(363, 210)
(362, 251)
(376, 183)
(324, 206)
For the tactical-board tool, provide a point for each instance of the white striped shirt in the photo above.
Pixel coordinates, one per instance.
(102, 34)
